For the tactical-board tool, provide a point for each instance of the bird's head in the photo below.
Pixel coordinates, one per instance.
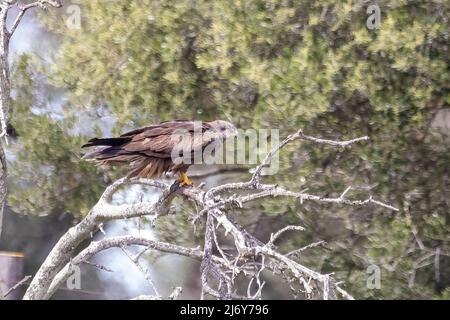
(225, 128)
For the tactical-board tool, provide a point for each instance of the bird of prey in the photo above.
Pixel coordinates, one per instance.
(148, 152)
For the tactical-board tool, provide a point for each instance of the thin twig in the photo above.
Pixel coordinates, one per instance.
(24, 8)
(274, 237)
(309, 246)
(18, 284)
(142, 269)
(98, 266)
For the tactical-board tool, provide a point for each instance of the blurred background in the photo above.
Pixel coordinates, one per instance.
(333, 68)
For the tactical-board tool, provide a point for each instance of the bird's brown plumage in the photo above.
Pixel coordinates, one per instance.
(148, 151)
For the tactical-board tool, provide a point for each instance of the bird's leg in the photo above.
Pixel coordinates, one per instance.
(179, 183)
(184, 180)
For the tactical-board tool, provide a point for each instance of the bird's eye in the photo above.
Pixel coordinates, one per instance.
(223, 129)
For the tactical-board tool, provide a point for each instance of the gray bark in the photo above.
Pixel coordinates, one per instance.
(5, 103)
(5, 81)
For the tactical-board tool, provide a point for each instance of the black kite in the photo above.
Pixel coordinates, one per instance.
(149, 151)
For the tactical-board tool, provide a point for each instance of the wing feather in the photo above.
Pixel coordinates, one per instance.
(163, 138)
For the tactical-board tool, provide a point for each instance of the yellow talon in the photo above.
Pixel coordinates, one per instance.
(184, 180)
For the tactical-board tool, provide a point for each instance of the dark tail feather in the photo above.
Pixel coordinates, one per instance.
(106, 142)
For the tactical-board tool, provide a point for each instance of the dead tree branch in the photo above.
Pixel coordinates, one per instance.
(248, 258)
(17, 285)
(5, 81)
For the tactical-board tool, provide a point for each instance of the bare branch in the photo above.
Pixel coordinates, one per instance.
(175, 293)
(173, 296)
(118, 242)
(296, 136)
(5, 83)
(248, 255)
(18, 284)
(207, 253)
(344, 293)
(146, 273)
(103, 211)
(98, 266)
(312, 245)
(274, 237)
(22, 9)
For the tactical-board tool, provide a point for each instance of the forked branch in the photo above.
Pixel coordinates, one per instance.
(219, 269)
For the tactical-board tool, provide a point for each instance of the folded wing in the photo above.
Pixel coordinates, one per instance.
(148, 150)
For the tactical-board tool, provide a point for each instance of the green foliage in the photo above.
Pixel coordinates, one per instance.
(46, 172)
(273, 64)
